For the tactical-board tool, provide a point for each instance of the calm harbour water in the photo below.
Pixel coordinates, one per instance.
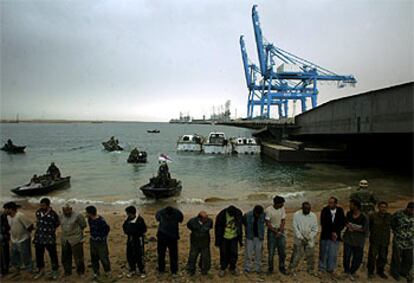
(106, 178)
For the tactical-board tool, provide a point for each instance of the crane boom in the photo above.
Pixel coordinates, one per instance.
(284, 76)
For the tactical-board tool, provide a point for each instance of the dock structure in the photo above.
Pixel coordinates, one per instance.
(375, 126)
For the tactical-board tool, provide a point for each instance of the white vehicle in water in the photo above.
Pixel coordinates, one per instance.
(242, 145)
(216, 143)
(189, 143)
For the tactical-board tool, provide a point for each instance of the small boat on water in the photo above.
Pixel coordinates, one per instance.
(13, 149)
(216, 143)
(43, 187)
(190, 143)
(111, 147)
(137, 156)
(152, 190)
(243, 145)
(162, 186)
(154, 131)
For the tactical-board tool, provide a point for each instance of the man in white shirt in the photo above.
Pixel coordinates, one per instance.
(276, 239)
(20, 235)
(305, 229)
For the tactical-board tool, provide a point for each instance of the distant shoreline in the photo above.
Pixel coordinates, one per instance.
(63, 121)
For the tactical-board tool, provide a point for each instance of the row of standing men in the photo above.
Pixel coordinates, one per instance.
(228, 230)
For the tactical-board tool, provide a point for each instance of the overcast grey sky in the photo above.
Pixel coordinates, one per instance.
(149, 60)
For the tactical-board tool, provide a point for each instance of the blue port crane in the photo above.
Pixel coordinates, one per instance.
(284, 76)
(256, 96)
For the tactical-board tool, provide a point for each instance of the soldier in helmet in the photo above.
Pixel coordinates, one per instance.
(365, 197)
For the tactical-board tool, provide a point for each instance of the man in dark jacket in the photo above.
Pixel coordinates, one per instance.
(229, 233)
(167, 237)
(99, 231)
(4, 243)
(332, 223)
(379, 240)
(134, 227)
(53, 171)
(199, 242)
(357, 229)
(45, 238)
(254, 222)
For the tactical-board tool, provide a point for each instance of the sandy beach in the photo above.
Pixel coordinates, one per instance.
(115, 218)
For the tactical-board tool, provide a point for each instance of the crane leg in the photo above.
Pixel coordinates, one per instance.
(279, 106)
(314, 100)
(249, 105)
(262, 102)
(303, 101)
(268, 107)
(285, 104)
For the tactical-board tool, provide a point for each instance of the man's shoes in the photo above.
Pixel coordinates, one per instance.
(95, 277)
(54, 275)
(235, 272)
(190, 273)
(130, 274)
(313, 273)
(382, 275)
(395, 276)
(222, 273)
(331, 275)
(38, 275)
(283, 271)
(290, 272)
(352, 277)
(143, 275)
(269, 272)
(14, 274)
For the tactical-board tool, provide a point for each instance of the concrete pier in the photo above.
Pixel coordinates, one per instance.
(283, 153)
(376, 127)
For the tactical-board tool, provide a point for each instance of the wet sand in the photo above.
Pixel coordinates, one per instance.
(117, 239)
